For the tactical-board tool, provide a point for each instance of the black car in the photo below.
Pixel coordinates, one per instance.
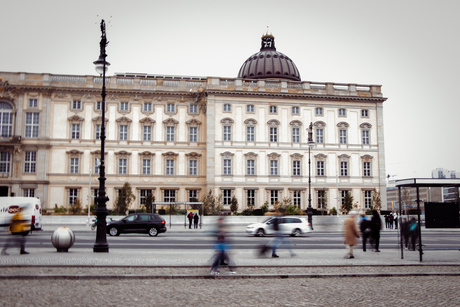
(150, 223)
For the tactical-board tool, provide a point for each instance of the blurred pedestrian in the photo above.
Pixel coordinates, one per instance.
(365, 227)
(413, 233)
(195, 221)
(391, 220)
(280, 238)
(19, 228)
(351, 234)
(405, 232)
(190, 218)
(396, 220)
(221, 255)
(376, 226)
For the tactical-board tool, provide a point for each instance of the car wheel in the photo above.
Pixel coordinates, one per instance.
(260, 232)
(296, 232)
(113, 231)
(153, 232)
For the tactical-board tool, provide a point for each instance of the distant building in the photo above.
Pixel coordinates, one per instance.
(180, 137)
(409, 197)
(449, 194)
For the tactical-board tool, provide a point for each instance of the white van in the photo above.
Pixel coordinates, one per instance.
(32, 211)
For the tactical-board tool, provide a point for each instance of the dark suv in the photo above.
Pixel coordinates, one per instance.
(150, 223)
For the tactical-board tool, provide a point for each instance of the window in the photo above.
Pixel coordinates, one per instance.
(74, 165)
(33, 103)
(319, 111)
(226, 197)
(250, 133)
(170, 133)
(170, 108)
(5, 162)
(6, 119)
(97, 135)
(28, 192)
(148, 107)
(227, 107)
(147, 135)
(193, 134)
(98, 105)
(97, 165)
(32, 121)
(75, 131)
(273, 110)
(274, 196)
(170, 167)
(122, 166)
(193, 167)
(30, 161)
(297, 198)
(343, 195)
(343, 136)
(193, 195)
(366, 169)
(76, 104)
(344, 168)
(321, 199)
(295, 111)
(365, 137)
(227, 133)
(169, 196)
(124, 106)
(227, 166)
(367, 199)
(273, 134)
(250, 167)
(251, 197)
(274, 167)
(73, 195)
(193, 109)
(296, 168)
(123, 132)
(342, 112)
(319, 168)
(250, 108)
(295, 135)
(364, 113)
(143, 195)
(146, 169)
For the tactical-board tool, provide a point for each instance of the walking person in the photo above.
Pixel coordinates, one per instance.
(365, 227)
(376, 226)
(413, 233)
(405, 232)
(19, 229)
(351, 234)
(221, 256)
(280, 238)
(195, 221)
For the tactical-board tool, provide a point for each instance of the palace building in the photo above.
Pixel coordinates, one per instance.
(180, 137)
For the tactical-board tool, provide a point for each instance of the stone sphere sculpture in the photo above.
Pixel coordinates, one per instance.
(63, 238)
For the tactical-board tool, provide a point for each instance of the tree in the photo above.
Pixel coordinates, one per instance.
(149, 200)
(211, 204)
(75, 208)
(234, 205)
(376, 201)
(124, 199)
(347, 203)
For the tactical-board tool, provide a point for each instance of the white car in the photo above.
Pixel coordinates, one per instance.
(294, 226)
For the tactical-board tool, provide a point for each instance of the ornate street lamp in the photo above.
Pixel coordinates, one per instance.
(101, 245)
(311, 144)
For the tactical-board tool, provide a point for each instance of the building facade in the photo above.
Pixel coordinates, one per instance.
(180, 137)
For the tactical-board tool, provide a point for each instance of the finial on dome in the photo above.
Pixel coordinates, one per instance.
(267, 34)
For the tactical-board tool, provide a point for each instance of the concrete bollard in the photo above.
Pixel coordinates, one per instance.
(63, 238)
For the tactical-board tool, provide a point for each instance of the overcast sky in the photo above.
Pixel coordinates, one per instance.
(411, 48)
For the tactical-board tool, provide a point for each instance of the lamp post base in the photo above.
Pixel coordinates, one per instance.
(101, 248)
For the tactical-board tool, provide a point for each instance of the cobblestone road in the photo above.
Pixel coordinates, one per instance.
(345, 291)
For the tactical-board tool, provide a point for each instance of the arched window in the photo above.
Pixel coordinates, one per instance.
(6, 119)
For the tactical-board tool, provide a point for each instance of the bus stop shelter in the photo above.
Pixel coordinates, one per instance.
(417, 183)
